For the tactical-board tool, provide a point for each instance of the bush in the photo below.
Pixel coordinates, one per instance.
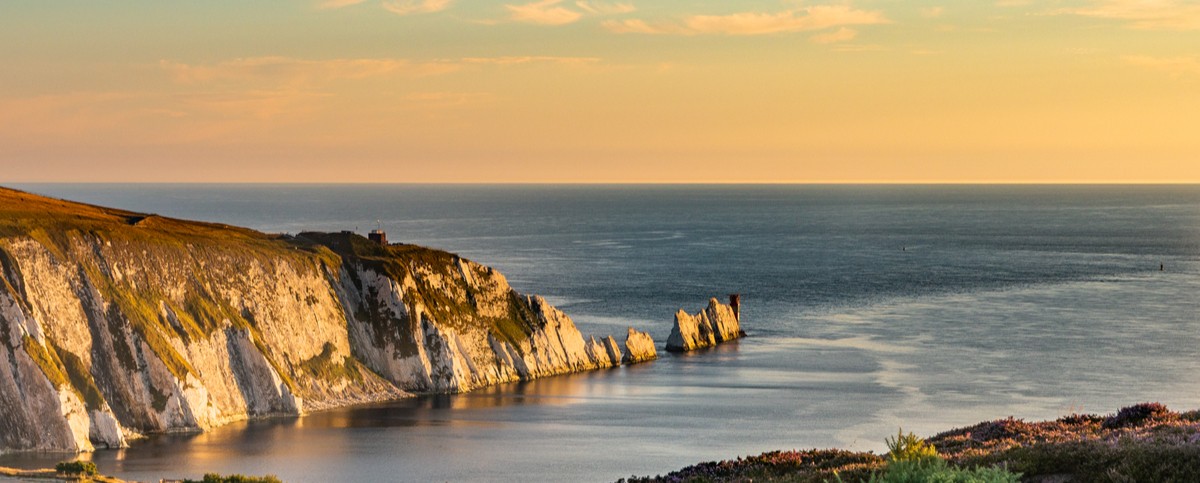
(908, 447)
(936, 470)
(216, 478)
(1001, 429)
(81, 468)
(1138, 415)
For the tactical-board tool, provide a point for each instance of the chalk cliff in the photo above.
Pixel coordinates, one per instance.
(715, 324)
(115, 324)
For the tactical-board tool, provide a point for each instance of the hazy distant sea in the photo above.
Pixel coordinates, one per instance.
(868, 308)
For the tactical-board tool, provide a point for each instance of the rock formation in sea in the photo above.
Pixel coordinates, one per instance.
(116, 324)
(639, 347)
(715, 324)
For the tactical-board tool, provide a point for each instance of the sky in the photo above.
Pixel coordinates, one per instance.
(637, 91)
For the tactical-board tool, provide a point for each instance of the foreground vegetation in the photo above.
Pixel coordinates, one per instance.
(82, 471)
(216, 478)
(1142, 443)
(86, 472)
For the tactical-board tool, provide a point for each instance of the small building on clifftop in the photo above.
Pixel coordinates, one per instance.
(378, 236)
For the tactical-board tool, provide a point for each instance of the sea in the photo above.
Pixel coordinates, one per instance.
(868, 308)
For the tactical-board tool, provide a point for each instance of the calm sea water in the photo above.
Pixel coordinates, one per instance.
(868, 308)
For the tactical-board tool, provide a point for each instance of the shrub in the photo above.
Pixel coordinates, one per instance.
(1104, 461)
(216, 478)
(908, 447)
(1081, 419)
(936, 470)
(81, 468)
(1138, 415)
(1001, 429)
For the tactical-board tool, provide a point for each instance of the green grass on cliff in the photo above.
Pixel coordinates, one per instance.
(63, 368)
(327, 367)
(401, 261)
(80, 378)
(46, 360)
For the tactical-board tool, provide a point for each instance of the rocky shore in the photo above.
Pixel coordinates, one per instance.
(115, 324)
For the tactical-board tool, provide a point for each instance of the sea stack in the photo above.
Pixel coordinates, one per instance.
(639, 347)
(715, 324)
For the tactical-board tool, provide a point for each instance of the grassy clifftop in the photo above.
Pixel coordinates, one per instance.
(54, 223)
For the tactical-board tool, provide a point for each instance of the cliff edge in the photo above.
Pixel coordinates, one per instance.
(114, 324)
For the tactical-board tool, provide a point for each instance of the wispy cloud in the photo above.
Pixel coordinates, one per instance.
(332, 4)
(840, 35)
(407, 7)
(553, 12)
(1176, 66)
(277, 71)
(530, 59)
(545, 12)
(398, 7)
(602, 8)
(292, 70)
(932, 12)
(802, 19)
(1142, 14)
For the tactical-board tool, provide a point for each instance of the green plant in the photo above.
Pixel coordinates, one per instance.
(79, 468)
(936, 470)
(909, 447)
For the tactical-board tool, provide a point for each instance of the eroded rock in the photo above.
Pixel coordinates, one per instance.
(639, 347)
(715, 324)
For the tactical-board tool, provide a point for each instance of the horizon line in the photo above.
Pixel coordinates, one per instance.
(628, 183)
(642, 183)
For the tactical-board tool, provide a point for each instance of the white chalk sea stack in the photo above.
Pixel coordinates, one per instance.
(715, 324)
(639, 347)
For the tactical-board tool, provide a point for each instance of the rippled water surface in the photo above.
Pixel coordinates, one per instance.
(868, 308)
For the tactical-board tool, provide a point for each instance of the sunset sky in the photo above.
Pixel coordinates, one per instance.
(600, 91)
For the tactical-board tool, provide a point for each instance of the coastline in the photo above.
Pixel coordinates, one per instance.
(120, 324)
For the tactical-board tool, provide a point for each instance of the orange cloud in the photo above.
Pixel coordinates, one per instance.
(812, 18)
(291, 70)
(398, 7)
(840, 35)
(545, 12)
(407, 7)
(601, 8)
(334, 4)
(1143, 14)
(528, 59)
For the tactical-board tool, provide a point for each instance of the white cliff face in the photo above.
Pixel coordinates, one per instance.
(639, 347)
(113, 326)
(715, 324)
(457, 326)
